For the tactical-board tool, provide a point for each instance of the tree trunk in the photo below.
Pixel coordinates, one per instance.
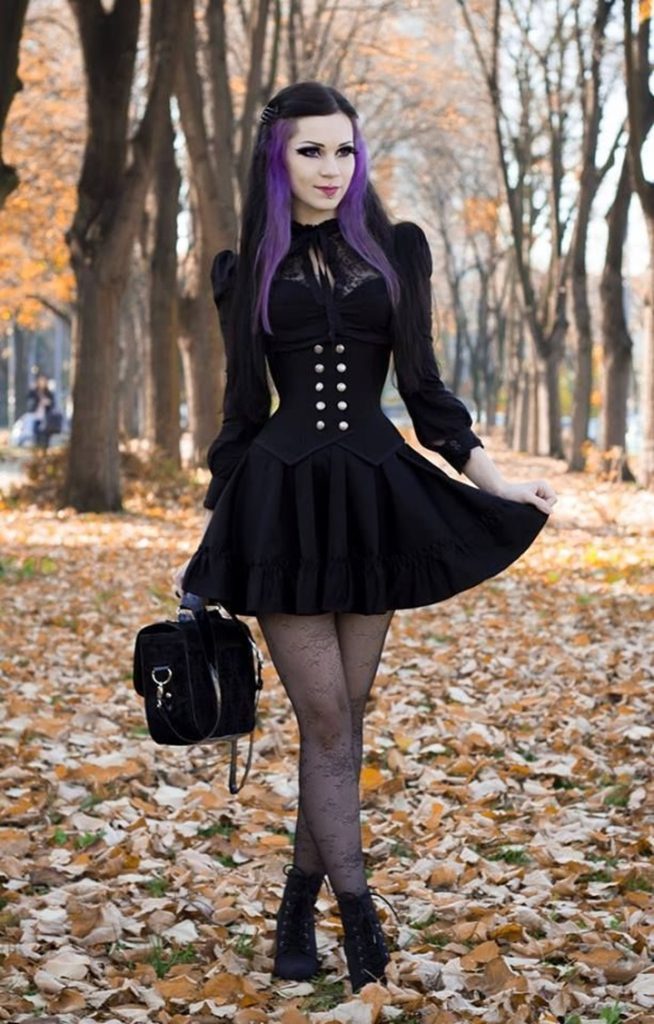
(12, 17)
(583, 370)
(131, 405)
(202, 364)
(111, 197)
(164, 356)
(617, 342)
(646, 474)
(21, 372)
(213, 228)
(524, 395)
(93, 465)
(640, 102)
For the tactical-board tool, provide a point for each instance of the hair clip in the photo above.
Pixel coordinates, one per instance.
(269, 113)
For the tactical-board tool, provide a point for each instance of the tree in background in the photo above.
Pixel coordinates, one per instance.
(111, 195)
(12, 16)
(430, 122)
(617, 345)
(641, 118)
(45, 137)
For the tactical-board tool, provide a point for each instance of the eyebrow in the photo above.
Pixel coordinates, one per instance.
(309, 142)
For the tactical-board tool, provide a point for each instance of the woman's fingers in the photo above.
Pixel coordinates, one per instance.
(178, 576)
(543, 495)
(536, 492)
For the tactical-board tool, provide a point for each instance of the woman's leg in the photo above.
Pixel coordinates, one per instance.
(361, 641)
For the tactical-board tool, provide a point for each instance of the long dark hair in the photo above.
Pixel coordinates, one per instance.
(266, 236)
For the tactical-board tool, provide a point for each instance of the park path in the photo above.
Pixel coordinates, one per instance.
(507, 790)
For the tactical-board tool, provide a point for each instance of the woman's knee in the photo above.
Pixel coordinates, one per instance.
(326, 721)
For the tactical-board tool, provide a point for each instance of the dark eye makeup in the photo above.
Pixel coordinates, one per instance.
(310, 150)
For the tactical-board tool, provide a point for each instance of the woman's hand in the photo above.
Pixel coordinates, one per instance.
(483, 472)
(533, 492)
(178, 576)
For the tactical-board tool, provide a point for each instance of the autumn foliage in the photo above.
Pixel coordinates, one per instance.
(507, 793)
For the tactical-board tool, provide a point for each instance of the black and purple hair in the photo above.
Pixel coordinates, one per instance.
(277, 235)
(266, 238)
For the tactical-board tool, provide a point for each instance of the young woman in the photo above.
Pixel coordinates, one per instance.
(321, 519)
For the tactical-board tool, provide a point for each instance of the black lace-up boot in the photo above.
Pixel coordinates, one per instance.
(296, 957)
(365, 948)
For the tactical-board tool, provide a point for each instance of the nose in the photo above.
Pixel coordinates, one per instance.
(330, 168)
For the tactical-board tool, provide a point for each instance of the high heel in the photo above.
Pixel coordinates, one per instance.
(296, 955)
(365, 947)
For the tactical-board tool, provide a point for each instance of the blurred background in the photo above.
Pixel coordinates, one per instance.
(516, 132)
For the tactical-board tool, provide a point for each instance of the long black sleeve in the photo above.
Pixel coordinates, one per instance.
(442, 422)
(237, 432)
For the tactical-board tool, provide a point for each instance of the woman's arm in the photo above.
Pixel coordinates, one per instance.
(483, 472)
(237, 431)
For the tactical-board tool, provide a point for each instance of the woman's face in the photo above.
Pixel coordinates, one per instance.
(319, 155)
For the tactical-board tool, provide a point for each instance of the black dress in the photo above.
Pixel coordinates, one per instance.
(323, 506)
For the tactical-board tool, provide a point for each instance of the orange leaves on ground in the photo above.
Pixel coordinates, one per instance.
(505, 792)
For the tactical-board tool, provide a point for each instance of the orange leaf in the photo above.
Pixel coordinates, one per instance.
(181, 987)
(371, 778)
(481, 954)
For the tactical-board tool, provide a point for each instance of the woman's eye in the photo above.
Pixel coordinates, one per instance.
(314, 151)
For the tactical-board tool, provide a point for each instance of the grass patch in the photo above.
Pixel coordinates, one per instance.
(326, 995)
(163, 958)
(437, 939)
(225, 859)
(611, 1014)
(87, 839)
(14, 570)
(157, 886)
(244, 946)
(618, 796)
(510, 854)
(401, 849)
(637, 883)
(560, 782)
(224, 827)
(138, 730)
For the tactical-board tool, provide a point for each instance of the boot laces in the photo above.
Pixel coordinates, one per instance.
(296, 919)
(379, 896)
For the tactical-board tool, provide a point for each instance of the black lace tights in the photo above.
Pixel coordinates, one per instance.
(327, 664)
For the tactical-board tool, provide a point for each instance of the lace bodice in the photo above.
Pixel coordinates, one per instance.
(348, 269)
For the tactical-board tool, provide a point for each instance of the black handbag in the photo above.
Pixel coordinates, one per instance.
(54, 421)
(200, 677)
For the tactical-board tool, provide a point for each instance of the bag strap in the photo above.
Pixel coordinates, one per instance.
(233, 787)
(198, 611)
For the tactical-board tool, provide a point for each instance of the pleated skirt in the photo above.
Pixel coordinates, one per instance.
(335, 533)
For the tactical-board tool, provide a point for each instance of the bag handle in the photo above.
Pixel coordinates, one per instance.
(195, 606)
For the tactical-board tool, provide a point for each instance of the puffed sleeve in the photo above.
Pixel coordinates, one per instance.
(442, 422)
(237, 432)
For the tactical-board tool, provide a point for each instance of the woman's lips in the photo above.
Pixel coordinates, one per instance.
(329, 190)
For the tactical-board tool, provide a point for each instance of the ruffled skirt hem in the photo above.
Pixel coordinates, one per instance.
(337, 534)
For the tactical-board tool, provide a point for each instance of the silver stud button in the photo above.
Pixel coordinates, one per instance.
(343, 425)
(320, 424)
(318, 348)
(342, 405)
(319, 385)
(319, 368)
(341, 367)
(341, 386)
(340, 348)
(320, 405)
